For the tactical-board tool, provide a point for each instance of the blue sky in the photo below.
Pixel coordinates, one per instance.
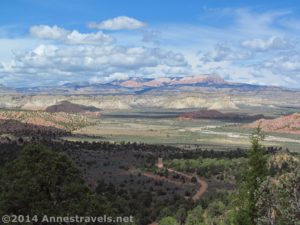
(45, 42)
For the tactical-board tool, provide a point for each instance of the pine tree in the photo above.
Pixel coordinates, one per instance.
(254, 175)
(43, 182)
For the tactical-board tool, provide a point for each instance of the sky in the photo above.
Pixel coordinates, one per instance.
(53, 42)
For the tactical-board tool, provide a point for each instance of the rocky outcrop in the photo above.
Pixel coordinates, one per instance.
(15, 127)
(61, 120)
(284, 124)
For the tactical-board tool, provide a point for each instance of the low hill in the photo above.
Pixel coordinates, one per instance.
(18, 128)
(214, 114)
(68, 107)
(285, 124)
(61, 120)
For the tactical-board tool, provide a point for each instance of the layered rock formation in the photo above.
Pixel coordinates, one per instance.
(284, 124)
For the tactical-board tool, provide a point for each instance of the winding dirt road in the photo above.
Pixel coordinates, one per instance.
(203, 184)
(197, 196)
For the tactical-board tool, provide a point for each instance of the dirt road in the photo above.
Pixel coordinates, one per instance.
(197, 196)
(203, 184)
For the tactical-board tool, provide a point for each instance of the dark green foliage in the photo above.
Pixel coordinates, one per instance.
(168, 221)
(145, 206)
(209, 168)
(38, 180)
(195, 216)
(42, 182)
(254, 175)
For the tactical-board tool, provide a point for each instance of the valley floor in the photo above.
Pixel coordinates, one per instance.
(167, 129)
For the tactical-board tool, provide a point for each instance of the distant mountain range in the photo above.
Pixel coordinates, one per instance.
(160, 82)
(139, 86)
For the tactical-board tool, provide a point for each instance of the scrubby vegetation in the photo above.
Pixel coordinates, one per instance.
(59, 120)
(267, 193)
(258, 187)
(42, 182)
(222, 169)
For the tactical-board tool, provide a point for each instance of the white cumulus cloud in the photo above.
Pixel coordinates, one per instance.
(70, 37)
(284, 64)
(48, 32)
(223, 52)
(50, 63)
(118, 23)
(273, 43)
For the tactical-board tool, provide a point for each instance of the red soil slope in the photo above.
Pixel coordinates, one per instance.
(286, 124)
